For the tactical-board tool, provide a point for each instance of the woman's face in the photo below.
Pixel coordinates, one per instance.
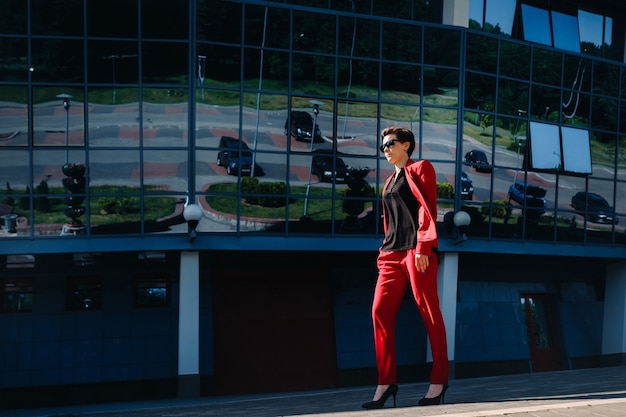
(394, 150)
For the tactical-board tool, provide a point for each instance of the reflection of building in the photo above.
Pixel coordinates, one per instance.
(181, 315)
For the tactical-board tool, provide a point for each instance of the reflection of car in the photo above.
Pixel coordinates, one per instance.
(467, 189)
(533, 194)
(478, 160)
(322, 167)
(230, 157)
(301, 127)
(596, 208)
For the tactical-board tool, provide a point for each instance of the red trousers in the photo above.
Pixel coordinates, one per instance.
(396, 272)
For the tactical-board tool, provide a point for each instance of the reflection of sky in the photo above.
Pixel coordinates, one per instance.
(536, 25)
(565, 32)
(576, 150)
(502, 13)
(590, 26)
(609, 31)
(476, 11)
(545, 146)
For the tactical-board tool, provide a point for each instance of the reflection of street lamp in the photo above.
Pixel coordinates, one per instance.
(520, 112)
(66, 105)
(192, 213)
(201, 72)
(113, 58)
(316, 110)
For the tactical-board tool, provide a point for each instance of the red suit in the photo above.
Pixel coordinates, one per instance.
(397, 272)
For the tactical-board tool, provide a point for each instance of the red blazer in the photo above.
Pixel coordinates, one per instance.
(422, 180)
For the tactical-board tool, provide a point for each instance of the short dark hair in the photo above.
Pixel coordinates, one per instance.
(404, 134)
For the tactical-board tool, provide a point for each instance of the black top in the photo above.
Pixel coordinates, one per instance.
(401, 209)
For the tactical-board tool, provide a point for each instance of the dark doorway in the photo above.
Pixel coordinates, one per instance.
(273, 331)
(540, 325)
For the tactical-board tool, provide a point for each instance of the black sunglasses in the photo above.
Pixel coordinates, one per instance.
(388, 144)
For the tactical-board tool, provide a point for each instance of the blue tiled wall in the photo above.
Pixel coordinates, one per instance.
(51, 346)
(353, 324)
(491, 326)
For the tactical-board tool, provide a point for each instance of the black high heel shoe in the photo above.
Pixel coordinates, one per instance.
(435, 400)
(380, 403)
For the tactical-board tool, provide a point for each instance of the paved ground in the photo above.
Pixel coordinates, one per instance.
(585, 392)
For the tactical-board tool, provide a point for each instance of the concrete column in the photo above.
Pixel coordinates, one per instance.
(614, 326)
(456, 12)
(189, 326)
(447, 282)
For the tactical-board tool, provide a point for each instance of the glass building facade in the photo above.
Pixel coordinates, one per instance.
(116, 115)
(138, 106)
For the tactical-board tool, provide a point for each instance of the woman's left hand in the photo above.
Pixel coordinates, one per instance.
(421, 262)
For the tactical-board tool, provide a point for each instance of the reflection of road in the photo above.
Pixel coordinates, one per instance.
(567, 185)
(164, 126)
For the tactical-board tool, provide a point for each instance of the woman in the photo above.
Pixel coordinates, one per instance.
(408, 258)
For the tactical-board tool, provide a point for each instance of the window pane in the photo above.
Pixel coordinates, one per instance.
(545, 146)
(17, 295)
(576, 150)
(13, 117)
(47, 20)
(514, 60)
(499, 16)
(83, 293)
(590, 26)
(57, 60)
(164, 62)
(536, 23)
(359, 38)
(476, 13)
(153, 26)
(482, 53)
(14, 68)
(402, 42)
(565, 30)
(113, 18)
(151, 291)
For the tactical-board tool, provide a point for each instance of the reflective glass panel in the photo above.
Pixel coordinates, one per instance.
(565, 30)
(514, 60)
(14, 68)
(114, 171)
(164, 117)
(359, 37)
(576, 150)
(219, 20)
(57, 60)
(113, 62)
(401, 82)
(545, 146)
(356, 128)
(512, 97)
(312, 73)
(113, 18)
(476, 11)
(442, 46)
(113, 125)
(439, 131)
(482, 53)
(357, 79)
(59, 119)
(13, 17)
(152, 24)
(266, 26)
(47, 19)
(590, 26)
(402, 42)
(536, 23)
(13, 116)
(313, 32)
(164, 62)
(499, 16)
